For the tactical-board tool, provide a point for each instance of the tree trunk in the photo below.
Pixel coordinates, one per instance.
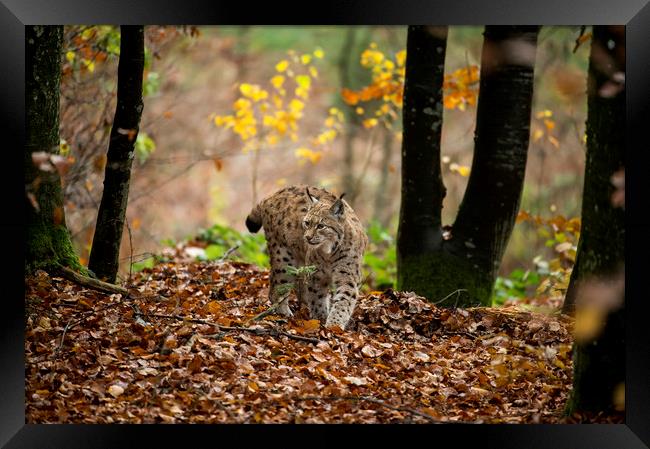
(467, 260)
(48, 240)
(350, 128)
(419, 235)
(350, 73)
(599, 361)
(601, 248)
(104, 255)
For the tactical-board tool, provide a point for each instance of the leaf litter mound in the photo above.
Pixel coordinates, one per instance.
(183, 348)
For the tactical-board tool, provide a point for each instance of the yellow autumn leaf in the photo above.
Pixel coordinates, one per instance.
(282, 65)
(313, 72)
(318, 53)
(370, 123)
(544, 113)
(306, 153)
(296, 105)
(70, 56)
(590, 320)
(277, 81)
(359, 110)
(400, 57)
(241, 104)
(245, 88)
(90, 65)
(537, 134)
(303, 81)
(550, 124)
(463, 170)
(305, 59)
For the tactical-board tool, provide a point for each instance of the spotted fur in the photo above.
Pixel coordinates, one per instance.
(310, 226)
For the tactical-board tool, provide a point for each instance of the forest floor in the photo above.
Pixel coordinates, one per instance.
(182, 348)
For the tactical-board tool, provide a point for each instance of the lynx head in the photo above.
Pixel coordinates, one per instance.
(323, 223)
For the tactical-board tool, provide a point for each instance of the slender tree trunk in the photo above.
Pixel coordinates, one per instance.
(104, 255)
(467, 261)
(350, 75)
(599, 358)
(352, 122)
(419, 235)
(48, 239)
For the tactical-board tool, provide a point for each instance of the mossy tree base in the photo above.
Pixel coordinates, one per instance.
(49, 248)
(445, 279)
(48, 244)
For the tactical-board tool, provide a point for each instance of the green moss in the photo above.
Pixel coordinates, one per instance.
(47, 251)
(440, 275)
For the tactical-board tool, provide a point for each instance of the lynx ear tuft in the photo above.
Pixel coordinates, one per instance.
(337, 208)
(313, 200)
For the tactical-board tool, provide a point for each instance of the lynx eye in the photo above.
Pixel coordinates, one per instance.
(320, 226)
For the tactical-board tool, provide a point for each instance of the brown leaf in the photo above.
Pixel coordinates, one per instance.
(195, 365)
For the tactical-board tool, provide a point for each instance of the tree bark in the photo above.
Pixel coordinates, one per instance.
(104, 255)
(351, 124)
(419, 235)
(601, 249)
(48, 239)
(468, 259)
(350, 75)
(599, 361)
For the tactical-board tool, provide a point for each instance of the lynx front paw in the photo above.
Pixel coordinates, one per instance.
(284, 310)
(333, 321)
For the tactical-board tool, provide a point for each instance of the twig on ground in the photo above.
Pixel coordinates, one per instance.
(72, 324)
(65, 330)
(456, 292)
(270, 311)
(374, 401)
(228, 253)
(258, 331)
(95, 284)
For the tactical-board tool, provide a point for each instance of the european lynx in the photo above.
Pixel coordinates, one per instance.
(310, 226)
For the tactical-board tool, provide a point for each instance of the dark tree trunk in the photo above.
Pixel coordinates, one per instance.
(467, 261)
(599, 361)
(48, 240)
(419, 235)
(601, 247)
(104, 255)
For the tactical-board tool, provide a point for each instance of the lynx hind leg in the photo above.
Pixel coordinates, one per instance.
(315, 294)
(280, 259)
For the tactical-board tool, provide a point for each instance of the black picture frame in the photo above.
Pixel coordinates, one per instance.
(635, 14)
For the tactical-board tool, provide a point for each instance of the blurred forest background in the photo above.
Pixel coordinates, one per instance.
(340, 128)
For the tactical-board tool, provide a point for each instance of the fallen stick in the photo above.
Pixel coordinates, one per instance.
(95, 284)
(258, 331)
(270, 311)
